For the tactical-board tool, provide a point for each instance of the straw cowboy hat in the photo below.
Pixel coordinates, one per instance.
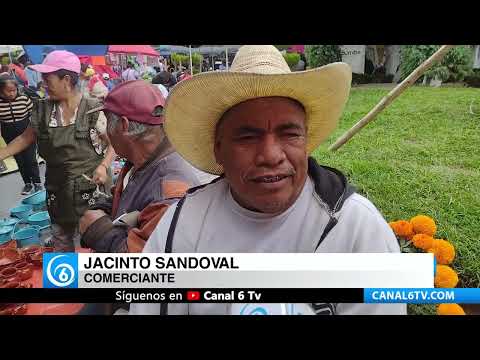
(195, 106)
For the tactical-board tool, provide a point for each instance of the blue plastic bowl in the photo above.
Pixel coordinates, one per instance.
(40, 219)
(9, 222)
(5, 233)
(22, 211)
(37, 198)
(27, 236)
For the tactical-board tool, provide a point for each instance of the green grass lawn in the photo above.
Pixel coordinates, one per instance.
(421, 155)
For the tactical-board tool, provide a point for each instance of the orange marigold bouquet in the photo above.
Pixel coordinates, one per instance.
(450, 309)
(423, 224)
(444, 251)
(418, 235)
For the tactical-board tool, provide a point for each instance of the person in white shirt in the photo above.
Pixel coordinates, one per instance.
(256, 125)
(161, 66)
(130, 73)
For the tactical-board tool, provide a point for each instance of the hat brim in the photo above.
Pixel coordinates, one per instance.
(44, 69)
(195, 106)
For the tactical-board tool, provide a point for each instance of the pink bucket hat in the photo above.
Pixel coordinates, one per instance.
(58, 60)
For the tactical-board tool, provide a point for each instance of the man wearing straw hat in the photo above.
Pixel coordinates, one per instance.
(256, 125)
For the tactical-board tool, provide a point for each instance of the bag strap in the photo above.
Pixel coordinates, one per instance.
(330, 225)
(173, 225)
(169, 244)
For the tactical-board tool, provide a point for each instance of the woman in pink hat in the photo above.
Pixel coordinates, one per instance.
(69, 140)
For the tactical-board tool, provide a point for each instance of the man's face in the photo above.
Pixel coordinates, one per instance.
(261, 144)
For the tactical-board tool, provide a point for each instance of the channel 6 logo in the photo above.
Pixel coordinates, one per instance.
(60, 270)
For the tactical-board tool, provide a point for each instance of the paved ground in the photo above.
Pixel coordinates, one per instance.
(10, 187)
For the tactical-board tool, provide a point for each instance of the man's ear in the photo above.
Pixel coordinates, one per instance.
(124, 124)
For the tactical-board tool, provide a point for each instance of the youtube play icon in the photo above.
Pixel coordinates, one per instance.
(193, 295)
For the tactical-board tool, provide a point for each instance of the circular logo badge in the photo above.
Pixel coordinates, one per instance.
(59, 273)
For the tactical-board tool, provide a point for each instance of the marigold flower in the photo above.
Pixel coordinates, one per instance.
(423, 224)
(402, 228)
(444, 251)
(450, 309)
(445, 277)
(422, 241)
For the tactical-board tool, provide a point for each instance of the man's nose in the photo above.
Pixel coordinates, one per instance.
(270, 152)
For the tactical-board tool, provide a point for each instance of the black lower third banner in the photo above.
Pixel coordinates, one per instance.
(181, 295)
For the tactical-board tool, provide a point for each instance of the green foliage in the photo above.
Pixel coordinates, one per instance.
(178, 59)
(319, 55)
(459, 62)
(292, 59)
(184, 60)
(455, 66)
(473, 79)
(196, 58)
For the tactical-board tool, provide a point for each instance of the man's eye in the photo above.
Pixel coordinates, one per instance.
(246, 137)
(292, 135)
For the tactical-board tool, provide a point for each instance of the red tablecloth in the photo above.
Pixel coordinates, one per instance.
(50, 309)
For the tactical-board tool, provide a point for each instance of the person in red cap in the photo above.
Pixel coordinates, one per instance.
(70, 140)
(154, 177)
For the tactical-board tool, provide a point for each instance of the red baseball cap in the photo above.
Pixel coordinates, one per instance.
(137, 100)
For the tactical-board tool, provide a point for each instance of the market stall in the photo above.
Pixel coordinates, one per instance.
(143, 55)
(100, 65)
(25, 237)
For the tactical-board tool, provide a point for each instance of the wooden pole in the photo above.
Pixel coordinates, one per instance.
(392, 95)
